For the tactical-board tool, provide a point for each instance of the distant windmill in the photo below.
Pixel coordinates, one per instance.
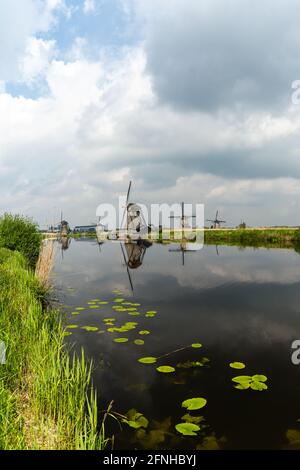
(183, 218)
(216, 222)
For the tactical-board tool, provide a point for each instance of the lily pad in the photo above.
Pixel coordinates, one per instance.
(144, 332)
(194, 403)
(136, 420)
(79, 308)
(237, 365)
(259, 378)
(187, 429)
(119, 301)
(192, 419)
(148, 360)
(75, 313)
(120, 340)
(165, 369)
(258, 386)
(71, 327)
(139, 342)
(89, 328)
(196, 345)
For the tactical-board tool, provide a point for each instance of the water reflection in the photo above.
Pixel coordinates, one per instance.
(242, 306)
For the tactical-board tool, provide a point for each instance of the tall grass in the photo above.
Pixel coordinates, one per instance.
(46, 398)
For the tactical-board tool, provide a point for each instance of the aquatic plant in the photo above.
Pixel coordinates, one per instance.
(148, 360)
(192, 404)
(255, 382)
(237, 365)
(166, 369)
(135, 420)
(187, 429)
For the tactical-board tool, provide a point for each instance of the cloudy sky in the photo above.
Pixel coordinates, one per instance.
(190, 99)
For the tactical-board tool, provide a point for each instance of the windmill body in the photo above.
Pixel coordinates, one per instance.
(216, 222)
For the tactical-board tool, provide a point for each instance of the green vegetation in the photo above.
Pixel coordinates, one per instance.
(20, 234)
(46, 397)
(277, 237)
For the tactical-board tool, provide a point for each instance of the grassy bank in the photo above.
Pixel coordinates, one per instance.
(277, 237)
(46, 398)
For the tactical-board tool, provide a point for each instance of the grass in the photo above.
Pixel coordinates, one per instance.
(46, 397)
(272, 237)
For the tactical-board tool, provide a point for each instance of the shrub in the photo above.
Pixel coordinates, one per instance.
(18, 233)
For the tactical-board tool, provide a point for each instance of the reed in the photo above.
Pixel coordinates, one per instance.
(46, 397)
(45, 261)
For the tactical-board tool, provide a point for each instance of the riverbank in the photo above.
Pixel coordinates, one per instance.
(46, 398)
(256, 237)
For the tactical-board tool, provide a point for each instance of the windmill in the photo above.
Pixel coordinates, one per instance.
(183, 220)
(135, 224)
(216, 222)
(133, 256)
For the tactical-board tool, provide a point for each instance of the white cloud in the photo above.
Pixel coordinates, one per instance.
(36, 60)
(89, 6)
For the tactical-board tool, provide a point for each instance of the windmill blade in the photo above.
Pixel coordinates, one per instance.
(128, 193)
(128, 272)
(126, 205)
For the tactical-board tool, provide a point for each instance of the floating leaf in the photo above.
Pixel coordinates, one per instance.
(190, 364)
(103, 303)
(75, 313)
(93, 306)
(120, 340)
(147, 360)
(237, 365)
(72, 327)
(67, 333)
(242, 379)
(187, 429)
(109, 319)
(196, 345)
(165, 369)
(79, 308)
(89, 328)
(259, 378)
(258, 386)
(144, 332)
(194, 403)
(136, 420)
(153, 312)
(192, 419)
(134, 314)
(139, 342)
(119, 301)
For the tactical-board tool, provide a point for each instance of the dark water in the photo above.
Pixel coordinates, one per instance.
(241, 305)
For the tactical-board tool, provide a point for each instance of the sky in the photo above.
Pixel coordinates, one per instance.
(191, 100)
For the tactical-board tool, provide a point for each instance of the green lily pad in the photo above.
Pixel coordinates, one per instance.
(71, 327)
(242, 379)
(79, 308)
(119, 301)
(259, 378)
(237, 365)
(190, 364)
(120, 340)
(136, 420)
(194, 403)
(192, 419)
(67, 333)
(75, 313)
(103, 302)
(196, 345)
(165, 369)
(144, 332)
(148, 360)
(89, 328)
(187, 429)
(139, 342)
(258, 386)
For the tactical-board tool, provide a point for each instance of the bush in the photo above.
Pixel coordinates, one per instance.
(20, 234)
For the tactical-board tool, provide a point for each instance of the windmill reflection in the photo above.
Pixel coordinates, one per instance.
(133, 255)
